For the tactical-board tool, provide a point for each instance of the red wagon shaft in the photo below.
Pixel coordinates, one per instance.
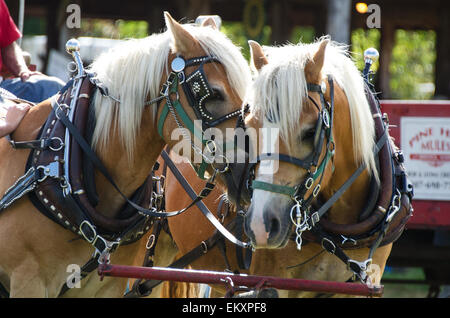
(251, 281)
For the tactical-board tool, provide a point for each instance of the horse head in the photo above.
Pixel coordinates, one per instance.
(193, 79)
(315, 127)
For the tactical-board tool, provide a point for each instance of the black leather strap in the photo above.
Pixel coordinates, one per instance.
(202, 207)
(327, 205)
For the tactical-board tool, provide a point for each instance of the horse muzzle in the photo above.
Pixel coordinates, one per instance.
(269, 226)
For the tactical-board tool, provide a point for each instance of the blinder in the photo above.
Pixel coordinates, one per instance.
(197, 91)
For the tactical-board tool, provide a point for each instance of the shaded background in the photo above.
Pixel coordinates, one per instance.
(413, 40)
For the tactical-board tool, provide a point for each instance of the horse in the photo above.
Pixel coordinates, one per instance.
(332, 172)
(293, 84)
(39, 251)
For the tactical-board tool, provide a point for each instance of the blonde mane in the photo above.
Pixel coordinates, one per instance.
(280, 90)
(132, 72)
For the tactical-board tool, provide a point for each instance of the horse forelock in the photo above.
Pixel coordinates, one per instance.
(279, 92)
(132, 72)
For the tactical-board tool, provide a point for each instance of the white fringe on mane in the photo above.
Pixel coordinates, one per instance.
(132, 72)
(282, 84)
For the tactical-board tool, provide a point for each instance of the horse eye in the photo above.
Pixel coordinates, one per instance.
(217, 95)
(309, 134)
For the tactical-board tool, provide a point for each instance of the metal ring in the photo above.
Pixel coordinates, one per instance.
(205, 247)
(43, 170)
(72, 66)
(208, 148)
(316, 190)
(150, 244)
(326, 118)
(331, 245)
(92, 229)
(227, 164)
(60, 108)
(61, 144)
(181, 78)
(176, 94)
(309, 182)
(291, 214)
(331, 146)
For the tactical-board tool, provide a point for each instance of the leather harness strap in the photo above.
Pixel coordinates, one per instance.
(206, 212)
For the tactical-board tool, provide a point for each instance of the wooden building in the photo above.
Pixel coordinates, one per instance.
(335, 17)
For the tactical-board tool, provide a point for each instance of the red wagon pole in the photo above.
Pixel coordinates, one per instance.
(211, 277)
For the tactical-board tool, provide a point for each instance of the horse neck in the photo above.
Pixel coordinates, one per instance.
(128, 175)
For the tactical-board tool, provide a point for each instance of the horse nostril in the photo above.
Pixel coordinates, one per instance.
(274, 227)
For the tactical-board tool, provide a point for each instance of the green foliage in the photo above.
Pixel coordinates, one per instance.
(235, 31)
(412, 64)
(132, 29)
(302, 34)
(119, 29)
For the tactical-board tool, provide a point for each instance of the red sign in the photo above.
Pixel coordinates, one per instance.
(422, 130)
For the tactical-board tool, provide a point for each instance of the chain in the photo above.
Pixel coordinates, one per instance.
(395, 207)
(300, 222)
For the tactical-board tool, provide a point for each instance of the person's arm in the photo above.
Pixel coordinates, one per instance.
(13, 59)
(11, 119)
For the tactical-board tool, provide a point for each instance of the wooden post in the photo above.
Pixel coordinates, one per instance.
(442, 64)
(155, 19)
(191, 9)
(52, 29)
(279, 22)
(387, 41)
(338, 20)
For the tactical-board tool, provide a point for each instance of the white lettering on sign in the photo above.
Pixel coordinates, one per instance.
(425, 142)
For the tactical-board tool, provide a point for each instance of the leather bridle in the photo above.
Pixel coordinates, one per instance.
(197, 91)
(315, 170)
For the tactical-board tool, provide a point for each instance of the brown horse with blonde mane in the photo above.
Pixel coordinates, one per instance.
(131, 125)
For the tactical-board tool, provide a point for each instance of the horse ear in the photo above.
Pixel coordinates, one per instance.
(313, 67)
(258, 59)
(183, 41)
(209, 22)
